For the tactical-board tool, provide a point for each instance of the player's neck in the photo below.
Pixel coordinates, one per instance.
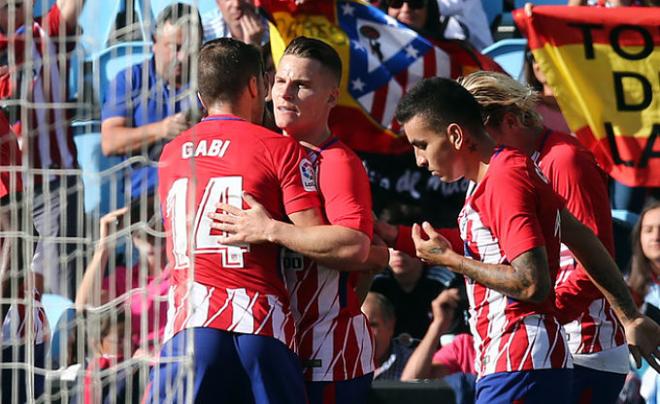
(227, 109)
(480, 158)
(315, 138)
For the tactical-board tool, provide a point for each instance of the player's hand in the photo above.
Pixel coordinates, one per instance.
(643, 336)
(444, 309)
(435, 249)
(386, 231)
(253, 30)
(242, 226)
(171, 126)
(108, 226)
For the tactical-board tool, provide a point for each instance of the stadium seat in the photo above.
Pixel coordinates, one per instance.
(61, 332)
(510, 54)
(202, 5)
(116, 58)
(96, 20)
(101, 176)
(54, 306)
(39, 6)
(493, 10)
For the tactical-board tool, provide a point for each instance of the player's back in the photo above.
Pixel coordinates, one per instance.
(235, 288)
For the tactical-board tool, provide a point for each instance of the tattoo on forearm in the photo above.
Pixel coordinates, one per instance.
(512, 280)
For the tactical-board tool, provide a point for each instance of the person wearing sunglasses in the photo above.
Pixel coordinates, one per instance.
(443, 19)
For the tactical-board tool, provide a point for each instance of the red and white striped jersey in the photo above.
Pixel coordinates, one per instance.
(335, 341)
(10, 156)
(46, 136)
(511, 211)
(588, 319)
(234, 288)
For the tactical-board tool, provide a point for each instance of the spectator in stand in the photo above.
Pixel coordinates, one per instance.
(237, 19)
(644, 279)
(422, 364)
(455, 361)
(471, 17)
(150, 103)
(14, 335)
(411, 287)
(36, 78)
(448, 19)
(390, 355)
(147, 282)
(547, 105)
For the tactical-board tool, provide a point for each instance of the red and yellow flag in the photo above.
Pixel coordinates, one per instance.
(603, 65)
(382, 59)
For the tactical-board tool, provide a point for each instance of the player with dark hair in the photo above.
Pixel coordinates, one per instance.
(511, 225)
(335, 339)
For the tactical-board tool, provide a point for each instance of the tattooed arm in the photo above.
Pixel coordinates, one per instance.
(642, 333)
(526, 279)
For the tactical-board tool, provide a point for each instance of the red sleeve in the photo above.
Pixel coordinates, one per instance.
(295, 174)
(345, 190)
(405, 243)
(513, 219)
(53, 24)
(10, 155)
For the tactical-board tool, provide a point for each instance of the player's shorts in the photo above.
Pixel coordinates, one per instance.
(227, 368)
(549, 386)
(596, 386)
(342, 392)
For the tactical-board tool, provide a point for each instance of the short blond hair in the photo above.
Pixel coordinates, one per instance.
(498, 94)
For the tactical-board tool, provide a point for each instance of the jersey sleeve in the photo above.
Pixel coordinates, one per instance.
(512, 206)
(56, 26)
(295, 174)
(346, 192)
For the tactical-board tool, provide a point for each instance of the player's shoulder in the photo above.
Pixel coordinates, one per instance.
(507, 159)
(562, 148)
(339, 152)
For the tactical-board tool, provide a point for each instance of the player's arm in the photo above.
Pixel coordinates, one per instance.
(642, 333)
(526, 279)
(332, 246)
(70, 10)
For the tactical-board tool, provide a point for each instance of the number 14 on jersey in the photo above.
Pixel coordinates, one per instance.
(227, 190)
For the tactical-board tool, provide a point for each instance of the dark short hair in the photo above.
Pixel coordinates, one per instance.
(386, 307)
(225, 68)
(177, 12)
(440, 102)
(315, 49)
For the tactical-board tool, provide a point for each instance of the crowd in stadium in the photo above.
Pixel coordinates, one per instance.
(243, 252)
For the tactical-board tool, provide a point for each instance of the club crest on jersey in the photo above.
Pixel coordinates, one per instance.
(307, 174)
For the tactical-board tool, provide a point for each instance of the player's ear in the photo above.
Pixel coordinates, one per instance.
(455, 135)
(253, 87)
(334, 97)
(201, 101)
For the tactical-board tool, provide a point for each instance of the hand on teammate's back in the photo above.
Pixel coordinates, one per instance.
(386, 231)
(243, 226)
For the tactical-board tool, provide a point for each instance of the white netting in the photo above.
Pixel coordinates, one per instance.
(55, 81)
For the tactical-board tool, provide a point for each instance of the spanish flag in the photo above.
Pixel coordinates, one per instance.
(382, 59)
(604, 68)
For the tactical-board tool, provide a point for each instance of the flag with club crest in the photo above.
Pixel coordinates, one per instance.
(382, 60)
